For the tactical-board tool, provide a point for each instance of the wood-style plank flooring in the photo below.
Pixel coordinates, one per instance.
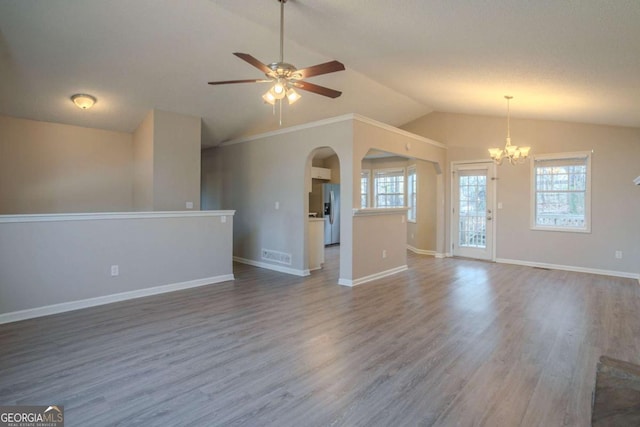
(450, 342)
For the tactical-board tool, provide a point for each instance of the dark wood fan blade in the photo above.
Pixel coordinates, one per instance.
(253, 61)
(326, 68)
(320, 90)
(226, 82)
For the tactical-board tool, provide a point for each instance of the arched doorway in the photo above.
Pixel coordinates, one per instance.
(322, 207)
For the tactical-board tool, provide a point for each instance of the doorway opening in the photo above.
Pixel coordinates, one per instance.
(323, 206)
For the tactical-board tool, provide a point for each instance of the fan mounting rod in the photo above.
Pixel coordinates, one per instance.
(282, 2)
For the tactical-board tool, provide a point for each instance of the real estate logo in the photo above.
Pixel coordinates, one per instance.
(32, 416)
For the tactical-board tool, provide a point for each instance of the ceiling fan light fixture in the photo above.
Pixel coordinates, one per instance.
(277, 91)
(283, 76)
(278, 88)
(292, 96)
(269, 98)
(83, 101)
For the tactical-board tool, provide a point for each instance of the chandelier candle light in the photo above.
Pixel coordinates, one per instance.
(515, 154)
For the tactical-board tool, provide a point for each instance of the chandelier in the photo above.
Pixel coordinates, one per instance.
(515, 154)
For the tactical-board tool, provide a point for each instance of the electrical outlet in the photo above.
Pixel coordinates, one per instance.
(384, 253)
(115, 271)
(223, 219)
(277, 205)
(618, 254)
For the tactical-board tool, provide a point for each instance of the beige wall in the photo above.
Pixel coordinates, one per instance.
(421, 234)
(381, 244)
(252, 176)
(615, 200)
(56, 168)
(431, 153)
(143, 165)
(333, 163)
(176, 161)
(54, 263)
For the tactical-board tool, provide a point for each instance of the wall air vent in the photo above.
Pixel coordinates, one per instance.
(275, 256)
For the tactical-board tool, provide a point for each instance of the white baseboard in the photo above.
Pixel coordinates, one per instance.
(273, 267)
(421, 251)
(47, 310)
(380, 275)
(426, 252)
(569, 268)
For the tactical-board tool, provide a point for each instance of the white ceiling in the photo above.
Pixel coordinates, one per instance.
(567, 60)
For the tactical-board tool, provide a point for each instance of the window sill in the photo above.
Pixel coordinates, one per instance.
(379, 211)
(562, 230)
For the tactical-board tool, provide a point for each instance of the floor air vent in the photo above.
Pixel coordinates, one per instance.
(275, 256)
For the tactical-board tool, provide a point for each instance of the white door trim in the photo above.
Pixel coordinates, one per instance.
(492, 175)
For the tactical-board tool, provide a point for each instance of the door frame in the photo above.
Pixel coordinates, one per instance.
(492, 175)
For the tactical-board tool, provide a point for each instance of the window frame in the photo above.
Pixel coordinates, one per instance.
(367, 173)
(412, 192)
(403, 193)
(559, 157)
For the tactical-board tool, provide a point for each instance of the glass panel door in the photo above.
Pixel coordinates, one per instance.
(473, 211)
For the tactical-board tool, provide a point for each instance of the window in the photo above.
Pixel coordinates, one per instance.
(412, 193)
(364, 188)
(561, 192)
(389, 188)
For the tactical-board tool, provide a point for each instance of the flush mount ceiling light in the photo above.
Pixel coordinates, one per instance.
(515, 154)
(83, 101)
(284, 77)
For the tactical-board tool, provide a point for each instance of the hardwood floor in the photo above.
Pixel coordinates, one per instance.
(449, 342)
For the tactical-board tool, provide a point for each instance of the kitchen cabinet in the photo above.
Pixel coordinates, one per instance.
(321, 173)
(316, 243)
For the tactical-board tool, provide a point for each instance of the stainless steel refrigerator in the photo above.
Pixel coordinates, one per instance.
(325, 200)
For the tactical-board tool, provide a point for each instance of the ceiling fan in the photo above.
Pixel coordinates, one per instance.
(286, 77)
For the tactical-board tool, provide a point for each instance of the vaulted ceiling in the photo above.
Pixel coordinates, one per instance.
(568, 60)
